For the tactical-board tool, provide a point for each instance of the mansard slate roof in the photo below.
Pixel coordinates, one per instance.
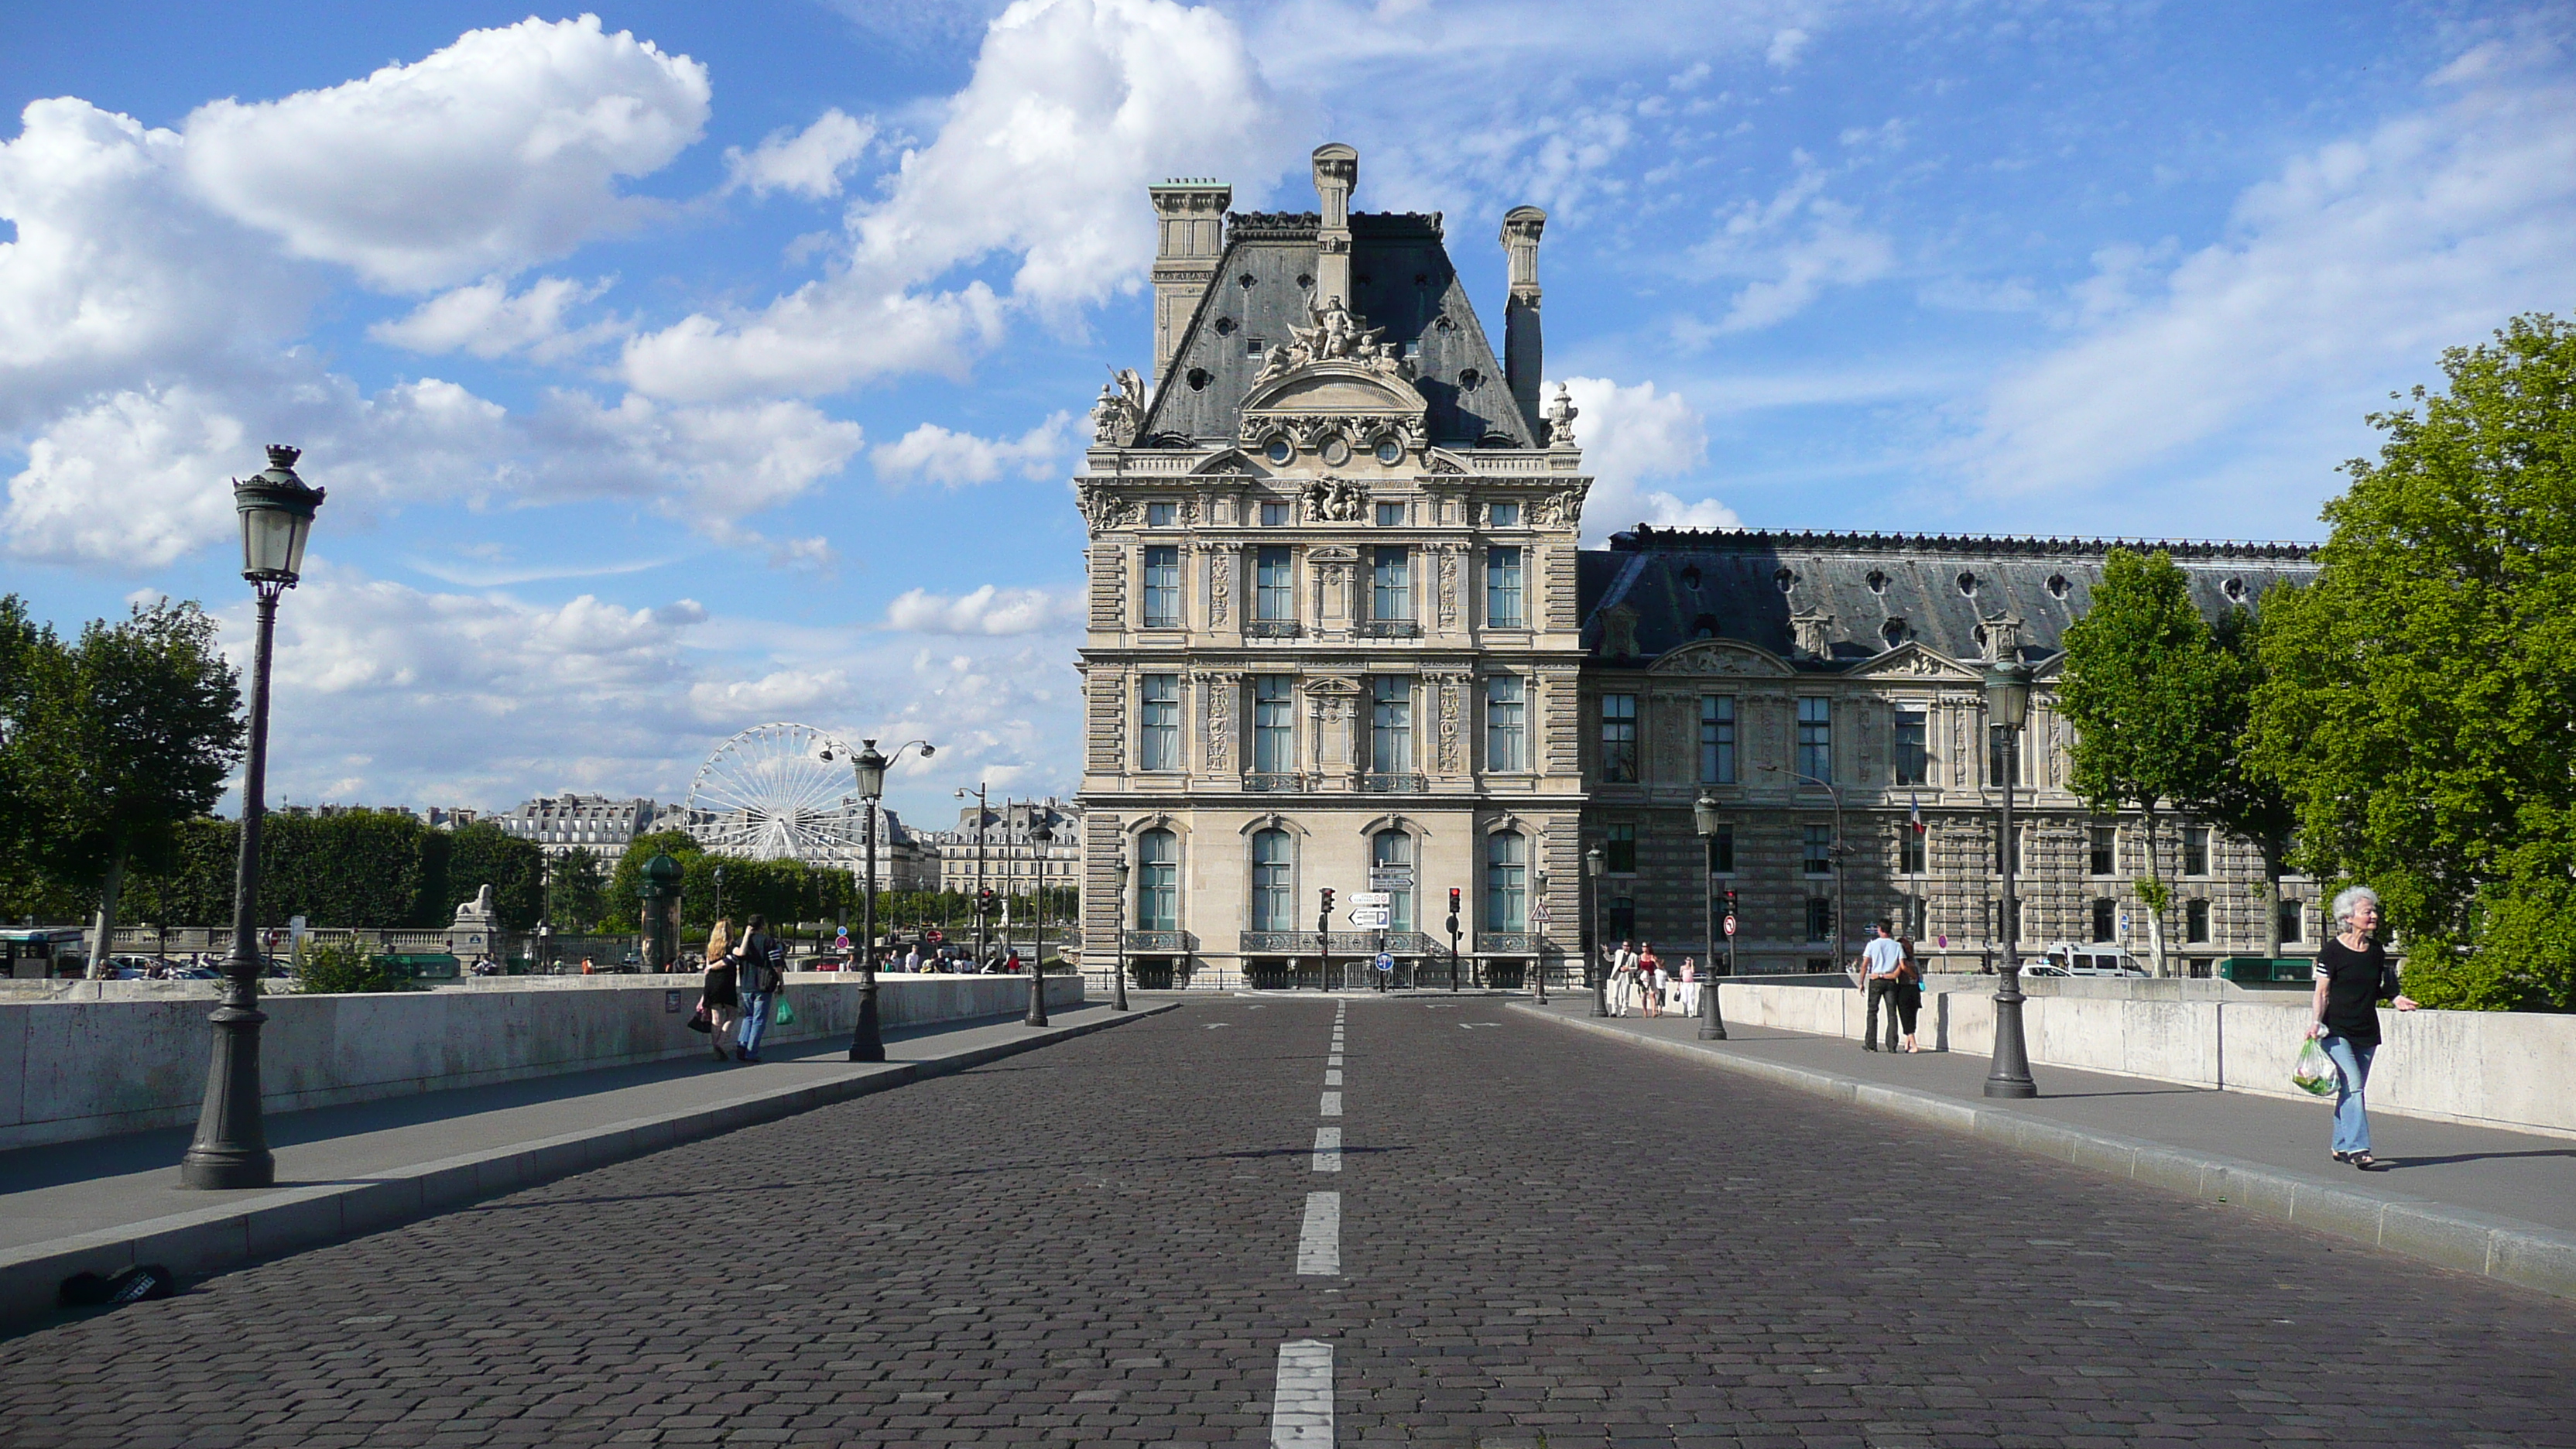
(1403, 282)
(1683, 585)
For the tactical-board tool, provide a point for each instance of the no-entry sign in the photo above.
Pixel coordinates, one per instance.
(1730, 925)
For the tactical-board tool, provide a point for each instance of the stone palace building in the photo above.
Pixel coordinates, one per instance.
(1342, 637)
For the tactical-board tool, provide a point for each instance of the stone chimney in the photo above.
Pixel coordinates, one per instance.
(1189, 223)
(1521, 364)
(1337, 175)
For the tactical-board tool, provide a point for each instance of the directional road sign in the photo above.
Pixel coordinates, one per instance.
(1371, 898)
(1370, 918)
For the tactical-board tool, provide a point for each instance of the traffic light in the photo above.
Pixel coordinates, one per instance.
(1453, 910)
(1730, 902)
(1328, 900)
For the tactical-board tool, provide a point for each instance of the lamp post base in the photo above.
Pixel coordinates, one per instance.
(2010, 1074)
(1712, 1023)
(231, 1150)
(867, 1041)
(1037, 996)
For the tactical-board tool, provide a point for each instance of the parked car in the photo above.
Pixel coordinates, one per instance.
(2097, 959)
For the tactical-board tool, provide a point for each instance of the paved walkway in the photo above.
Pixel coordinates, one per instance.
(108, 1202)
(1314, 1223)
(2450, 1181)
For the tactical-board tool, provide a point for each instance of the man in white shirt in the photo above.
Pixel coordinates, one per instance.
(1881, 962)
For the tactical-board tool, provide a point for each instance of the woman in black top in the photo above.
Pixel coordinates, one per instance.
(2353, 972)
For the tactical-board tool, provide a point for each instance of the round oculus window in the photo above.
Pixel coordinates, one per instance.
(1335, 453)
(1279, 451)
(1389, 451)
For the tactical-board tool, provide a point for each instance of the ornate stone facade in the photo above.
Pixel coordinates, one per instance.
(1341, 637)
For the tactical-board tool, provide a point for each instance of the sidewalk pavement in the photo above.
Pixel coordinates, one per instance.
(2500, 1204)
(105, 1204)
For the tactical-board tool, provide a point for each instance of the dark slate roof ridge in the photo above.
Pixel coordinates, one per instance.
(1725, 540)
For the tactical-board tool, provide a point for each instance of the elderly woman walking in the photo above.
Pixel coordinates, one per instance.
(2352, 973)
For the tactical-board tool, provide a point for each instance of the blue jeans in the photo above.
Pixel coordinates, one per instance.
(756, 1008)
(2351, 1118)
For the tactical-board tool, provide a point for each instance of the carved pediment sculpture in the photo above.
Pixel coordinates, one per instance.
(2003, 635)
(1333, 335)
(1560, 509)
(1911, 660)
(1101, 506)
(1722, 657)
(1334, 500)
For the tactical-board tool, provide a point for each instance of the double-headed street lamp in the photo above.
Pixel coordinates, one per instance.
(2007, 706)
(1041, 835)
(1707, 815)
(867, 1039)
(1118, 936)
(231, 1149)
(1596, 862)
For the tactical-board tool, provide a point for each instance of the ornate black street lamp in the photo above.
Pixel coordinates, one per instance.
(231, 1149)
(1118, 981)
(1706, 816)
(659, 882)
(867, 1039)
(2007, 706)
(1041, 835)
(1596, 862)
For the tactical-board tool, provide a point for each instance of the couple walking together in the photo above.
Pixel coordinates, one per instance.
(743, 981)
(1639, 979)
(1895, 978)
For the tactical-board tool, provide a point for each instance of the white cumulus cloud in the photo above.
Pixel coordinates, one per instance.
(933, 454)
(810, 162)
(501, 150)
(1630, 435)
(988, 610)
(488, 320)
(1074, 106)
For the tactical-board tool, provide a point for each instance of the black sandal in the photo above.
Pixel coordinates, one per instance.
(2364, 1161)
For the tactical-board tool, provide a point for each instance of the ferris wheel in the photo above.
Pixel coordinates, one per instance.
(778, 792)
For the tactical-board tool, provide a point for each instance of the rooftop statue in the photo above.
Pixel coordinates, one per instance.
(1334, 335)
(1121, 407)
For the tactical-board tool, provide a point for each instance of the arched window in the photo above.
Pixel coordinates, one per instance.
(1274, 883)
(1391, 855)
(1158, 881)
(1506, 882)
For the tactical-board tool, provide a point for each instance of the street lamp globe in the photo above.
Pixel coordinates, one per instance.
(1595, 861)
(276, 517)
(2007, 693)
(1705, 814)
(871, 768)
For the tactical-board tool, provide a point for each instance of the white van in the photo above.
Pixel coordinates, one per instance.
(2065, 958)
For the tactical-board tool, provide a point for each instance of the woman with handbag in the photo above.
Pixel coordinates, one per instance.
(1909, 991)
(721, 1001)
(2352, 973)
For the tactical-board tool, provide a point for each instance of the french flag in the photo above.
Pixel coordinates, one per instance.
(1914, 816)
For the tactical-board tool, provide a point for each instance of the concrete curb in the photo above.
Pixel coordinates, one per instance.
(2509, 1250)
(220, 1238)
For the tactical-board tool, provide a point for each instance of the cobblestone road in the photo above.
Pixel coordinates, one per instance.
(1541, 1238)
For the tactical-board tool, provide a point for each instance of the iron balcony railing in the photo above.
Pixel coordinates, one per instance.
(1271, 629)
(1390, 628)
(1158, 942)
(1394, 783)
(1287, 782)
(1341, 943)
(1507, 943)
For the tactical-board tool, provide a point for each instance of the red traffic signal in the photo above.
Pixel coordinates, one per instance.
(1328, 900)
(1453, 900)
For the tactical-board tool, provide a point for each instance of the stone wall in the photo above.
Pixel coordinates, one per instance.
(76, 1068)
(2491, 1068)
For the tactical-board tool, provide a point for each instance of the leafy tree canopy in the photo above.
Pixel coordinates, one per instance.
(2421, 698)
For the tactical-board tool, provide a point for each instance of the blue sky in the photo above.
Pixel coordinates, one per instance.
(686, 367)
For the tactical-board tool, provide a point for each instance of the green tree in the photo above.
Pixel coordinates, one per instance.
(342, 967)
(118, 739)
(2244, 795)
(2143, 684)
(2420, 698)
(484, 854)
(576, 892)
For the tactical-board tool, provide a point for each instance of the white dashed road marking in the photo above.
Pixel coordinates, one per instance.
(1328, 1149)
(1301, 1416)
(1332, 1106)
(1332, 1078)
(1319, 1243)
